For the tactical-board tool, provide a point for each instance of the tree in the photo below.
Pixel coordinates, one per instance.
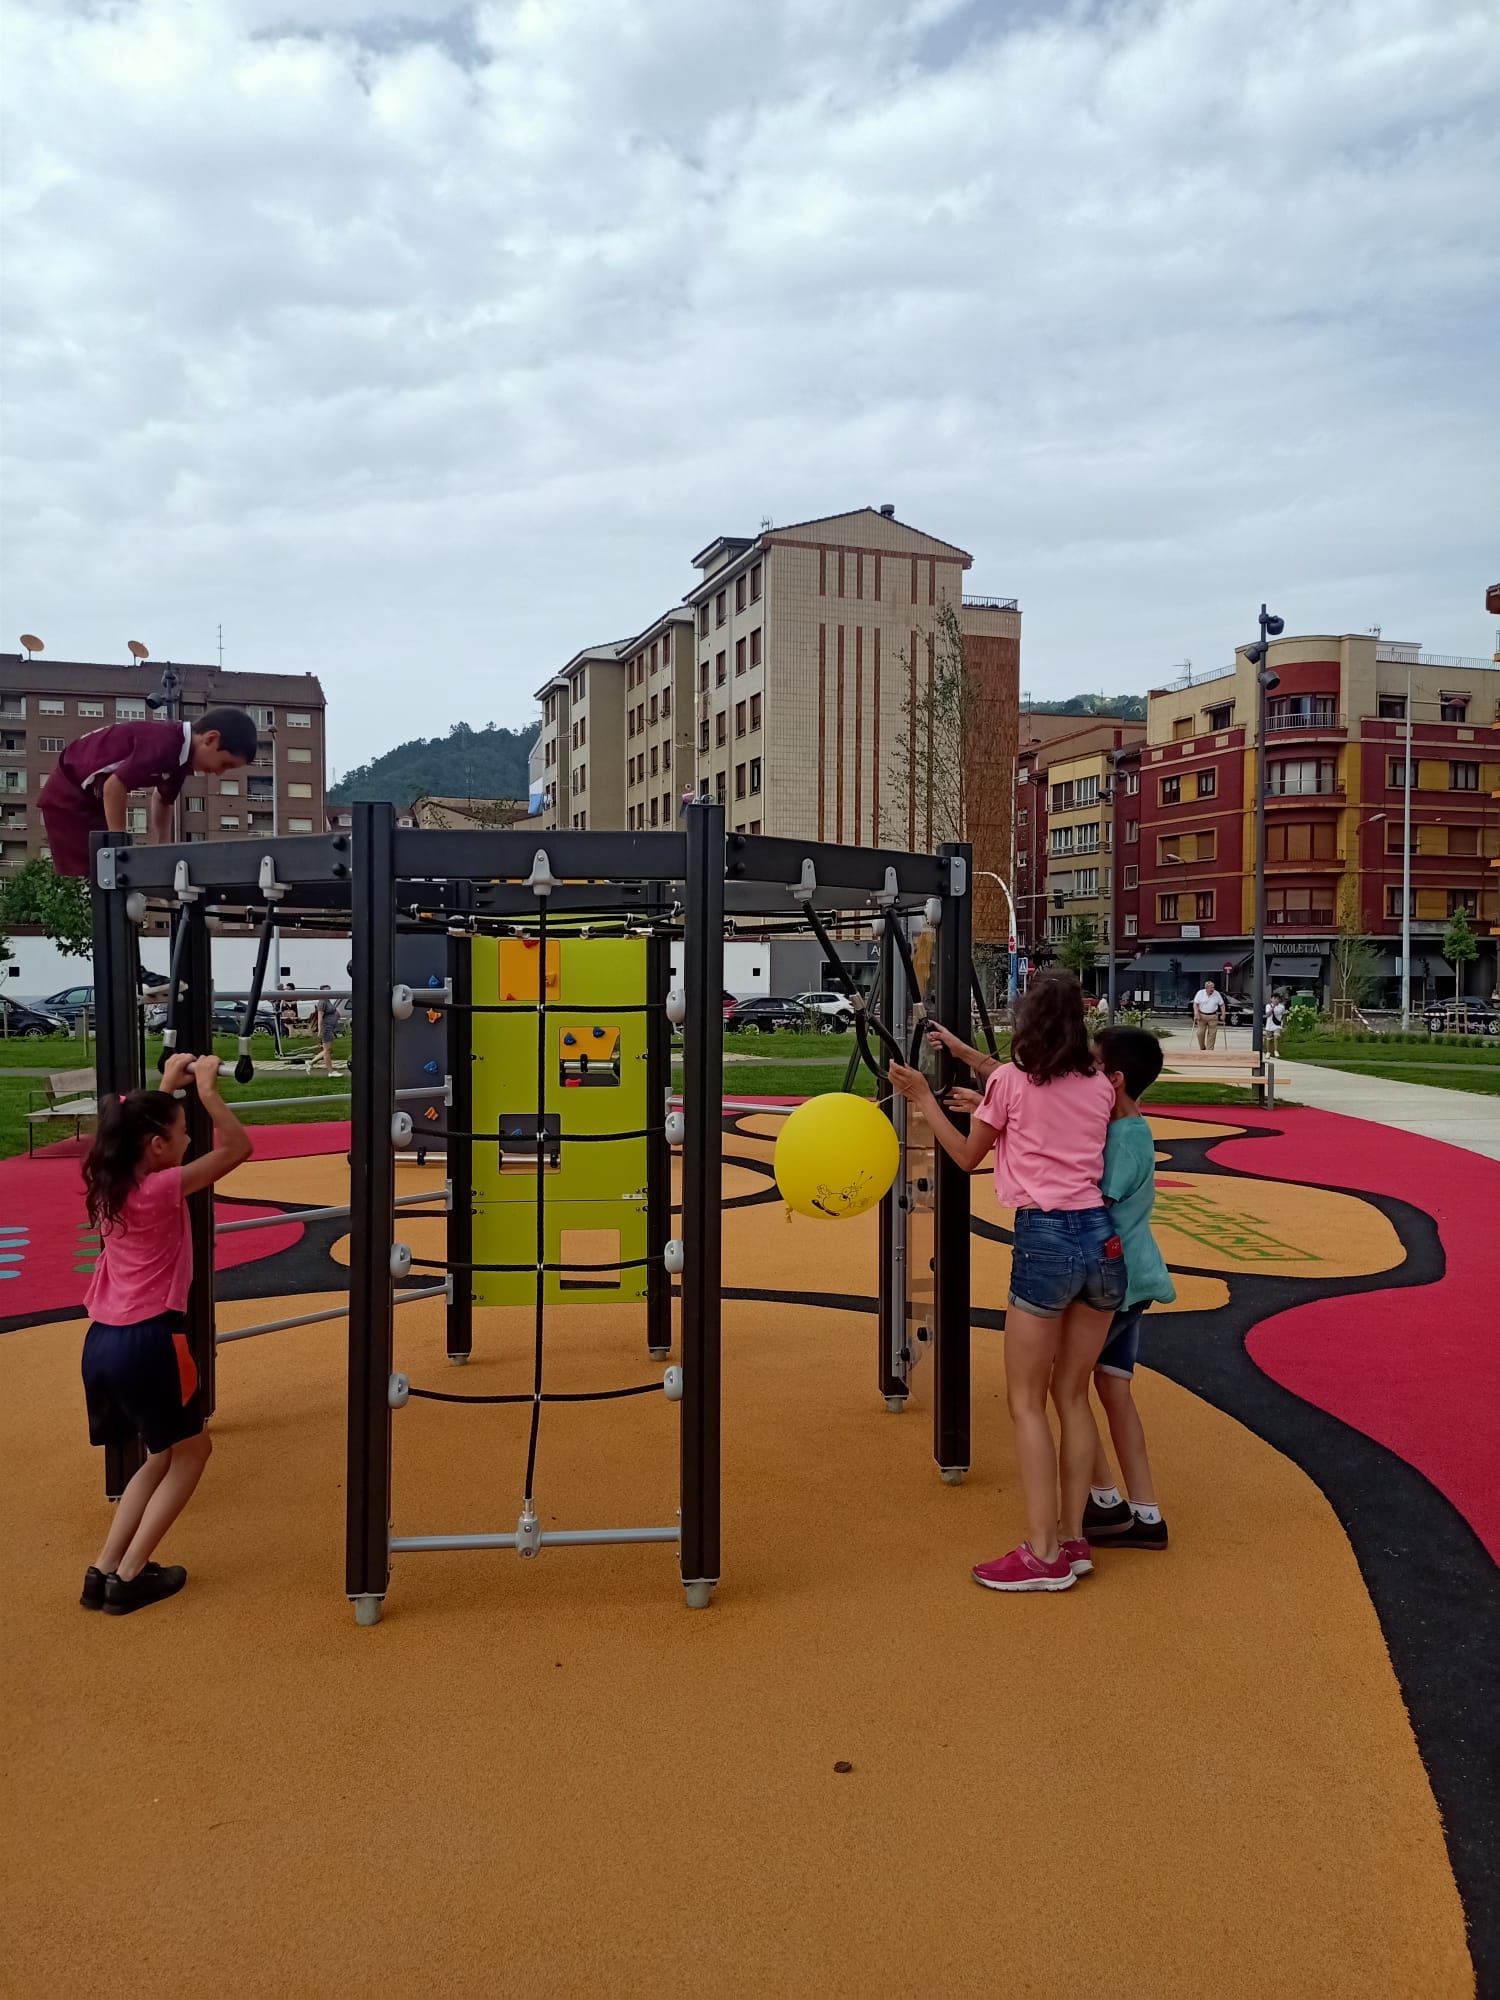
(1353, 969)
(940, 715)
(38, 896)
(1460, 947)
(1077, 951)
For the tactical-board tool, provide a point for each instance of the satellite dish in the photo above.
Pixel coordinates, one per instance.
(31, 644)
(141, 652)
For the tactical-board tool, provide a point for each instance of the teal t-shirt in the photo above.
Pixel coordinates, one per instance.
(1129, 1186)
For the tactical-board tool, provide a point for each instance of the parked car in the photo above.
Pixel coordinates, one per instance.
(763, 1013)
(70, 1002)
(18, 1020)
(832, 1010)
(1471, 1017)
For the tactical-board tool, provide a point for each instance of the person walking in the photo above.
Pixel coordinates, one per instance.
(1208, 1013)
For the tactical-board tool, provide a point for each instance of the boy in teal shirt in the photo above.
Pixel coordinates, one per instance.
(1132, 1061)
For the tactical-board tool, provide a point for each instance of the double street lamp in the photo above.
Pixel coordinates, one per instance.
(1259, 656)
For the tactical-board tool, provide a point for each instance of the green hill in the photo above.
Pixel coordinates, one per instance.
(467, 763)
(1129, 707)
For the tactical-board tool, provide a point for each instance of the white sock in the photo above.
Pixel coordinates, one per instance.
(1106, 1496)
(1146, 1513)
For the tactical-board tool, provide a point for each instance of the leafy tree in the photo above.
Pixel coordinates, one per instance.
(1354, 970)
(1129, 707)
(1077, 951)
(939, 717)
(57, 904)
(1460, 947)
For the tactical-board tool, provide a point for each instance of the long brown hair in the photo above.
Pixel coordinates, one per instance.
(127, 1125)
(1050, 1038)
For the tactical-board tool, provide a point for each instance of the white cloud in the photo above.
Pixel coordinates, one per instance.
(423, 344)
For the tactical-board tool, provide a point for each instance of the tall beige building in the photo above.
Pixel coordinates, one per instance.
(785, 690)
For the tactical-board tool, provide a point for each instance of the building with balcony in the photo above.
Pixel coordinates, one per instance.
(1086, 744)
(44, 705)
(1093, 831)
(583, 729)
(660, 764)
(1335, 774)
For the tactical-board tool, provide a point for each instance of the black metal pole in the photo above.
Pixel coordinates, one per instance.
(950, 1435)
(1258, 971)
(1112, 1003)
(460, 1030)
(702, 1184)
(372, 1189)
(658, 1152)
(196, 1033)
(118, 1065)
(891, 1327)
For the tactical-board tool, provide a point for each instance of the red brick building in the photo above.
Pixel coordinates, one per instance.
(1046, 741)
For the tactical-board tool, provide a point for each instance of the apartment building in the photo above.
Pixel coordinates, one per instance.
(1093, 828)
(1335, 770)
(659, 759)
(44, 705)
(786, 689)
(1048, 741)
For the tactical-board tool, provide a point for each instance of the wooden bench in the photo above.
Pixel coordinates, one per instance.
(70, 1096)
(1240, 1066)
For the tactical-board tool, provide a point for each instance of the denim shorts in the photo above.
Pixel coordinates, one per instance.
(1060, 1256)
(1122, 1345)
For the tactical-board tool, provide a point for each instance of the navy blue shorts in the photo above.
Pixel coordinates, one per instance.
(1060, 1256)
(1122, 1347)
(141, 1380)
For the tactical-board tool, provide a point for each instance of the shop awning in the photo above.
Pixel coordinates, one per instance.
(1191, 958)
(1295, 968)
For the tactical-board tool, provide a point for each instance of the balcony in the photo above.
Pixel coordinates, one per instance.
(1299, 920)
(1295, 789)
(1326, 719)
(992, 604)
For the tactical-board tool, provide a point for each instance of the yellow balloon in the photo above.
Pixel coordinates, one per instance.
(835, 1156)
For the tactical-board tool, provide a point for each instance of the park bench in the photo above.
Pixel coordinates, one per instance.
(1240, 1066)
(70, 1097)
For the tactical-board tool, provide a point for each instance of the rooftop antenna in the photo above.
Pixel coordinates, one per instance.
(30, 644)
(137, 650)
(765, 524)
(1373, 630)
(221, 649)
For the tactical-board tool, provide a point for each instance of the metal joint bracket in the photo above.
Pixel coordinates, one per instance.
(270, 888)
(397, 1391)
(448, 1196)
(541, 881)
(884, 898)
(807, 888)
(400, 1259)
(958, 875)
(182, 887)
(671, 1382)
(528, 1533)
(401, 1129)
(108, 860)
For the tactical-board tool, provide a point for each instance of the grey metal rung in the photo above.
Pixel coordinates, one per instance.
(571, 1538)
(318, 1214)
(279, 1325)
(277, 1103)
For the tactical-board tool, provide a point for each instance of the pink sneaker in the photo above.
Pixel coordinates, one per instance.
(1024, 1570)
(1076, 1554)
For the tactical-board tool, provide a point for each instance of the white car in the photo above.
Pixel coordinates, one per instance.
(835, 1015)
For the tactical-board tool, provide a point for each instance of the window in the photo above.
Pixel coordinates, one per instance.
(721, 607)
(231, 821)
(1398, 775)
(263, 718)
(721, 671)
(1391, 707)
(49, 704)
(1023, 819)
(294, 721)
(755, 586)
(640, 809)
(721, 728)
(1132, 924)
(1088, 838)
(739, 718)
(739, 781)
(1295, 907)
(655, 761)
(1171, 791)
(299, 791)
(1182, 729)
(755, 711)
(1296, 777)
(1132, 875)
(299, 826)
(721, 781)
(1086, 882)
(1132, 783)
(125, 710)
(1132, 832)
(1221, 715)
(1208, 784)
(137, 819)
(1393, 903)
(194, 804)
(91, 708)
(703, 620)
(229, 788)
(50, 744)
(299, 756)
(666, 755)
(1463, 840)
(1062, 797)
(1299, 842)
(666, 700)
(739, 593)
(1463, 777)
(1088, 792)
(1205, 906)
(703, 734)
(1166, 909)
(1453, 708)
(629, 726)
(1463, 899)
(1058, 927)
(755, 774)
(1301, 711)
(755, 647)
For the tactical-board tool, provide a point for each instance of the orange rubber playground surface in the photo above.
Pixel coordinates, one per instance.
(1261, 1762)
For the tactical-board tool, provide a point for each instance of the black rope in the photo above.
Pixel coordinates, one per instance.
(863, 1019)
(554, 1396)
(986, 1024)
(442, 1264)
(896, 931)
(541, 1197)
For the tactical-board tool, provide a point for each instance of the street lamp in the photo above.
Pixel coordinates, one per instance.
(1010, 904)
(1259, 656)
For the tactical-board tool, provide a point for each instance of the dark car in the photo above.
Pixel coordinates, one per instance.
(18, 1020)
(1462, 1017)
(766, 1015)
(70, 1002)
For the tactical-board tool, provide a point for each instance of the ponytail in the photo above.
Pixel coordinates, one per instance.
(126, 1126)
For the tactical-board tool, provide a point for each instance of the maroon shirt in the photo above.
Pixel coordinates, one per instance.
(141, 755)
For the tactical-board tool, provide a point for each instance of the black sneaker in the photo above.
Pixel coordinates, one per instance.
(150, 1587)
(1143, 1535)
(93, 1589)
(1101, 1523)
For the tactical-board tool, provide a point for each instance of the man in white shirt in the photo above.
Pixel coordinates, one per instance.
(1208, 1012)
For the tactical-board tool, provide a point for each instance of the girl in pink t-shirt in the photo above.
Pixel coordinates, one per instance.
(1046, 1113)
(139, 1377)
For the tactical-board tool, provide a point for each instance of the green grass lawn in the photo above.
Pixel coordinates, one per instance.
(1479, 1080)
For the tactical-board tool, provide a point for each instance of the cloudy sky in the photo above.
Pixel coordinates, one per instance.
(422, 344)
